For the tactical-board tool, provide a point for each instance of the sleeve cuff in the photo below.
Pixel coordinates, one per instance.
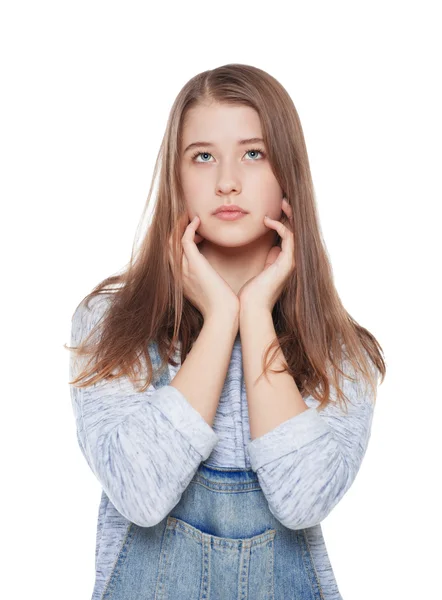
(185, 419)
(286, 437)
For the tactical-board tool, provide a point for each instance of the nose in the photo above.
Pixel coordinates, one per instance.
(228, 180)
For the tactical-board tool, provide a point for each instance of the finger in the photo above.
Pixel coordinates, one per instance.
(188, 239)
(198, 237)
(283, 231)
(190, 229)
(287, 241)
(183, 223)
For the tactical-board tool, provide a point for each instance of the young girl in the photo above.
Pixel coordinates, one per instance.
(217, 470)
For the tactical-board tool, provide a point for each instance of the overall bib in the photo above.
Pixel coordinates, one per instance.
(220, 542)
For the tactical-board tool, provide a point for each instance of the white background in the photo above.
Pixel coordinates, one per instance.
(86, 92)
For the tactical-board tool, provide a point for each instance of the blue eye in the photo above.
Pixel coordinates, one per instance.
(198, 153)
(255, 150)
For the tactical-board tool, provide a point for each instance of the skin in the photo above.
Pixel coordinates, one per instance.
(243, 252)
(228, 173)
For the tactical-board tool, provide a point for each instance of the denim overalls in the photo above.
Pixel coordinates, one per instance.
(220, 542)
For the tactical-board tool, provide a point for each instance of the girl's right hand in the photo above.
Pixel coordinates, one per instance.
(203, 285)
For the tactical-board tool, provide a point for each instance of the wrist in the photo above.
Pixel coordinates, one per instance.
(253, 315)
(253, 310)
(225, 320)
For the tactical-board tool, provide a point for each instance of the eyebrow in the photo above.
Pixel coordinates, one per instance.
(253, 140)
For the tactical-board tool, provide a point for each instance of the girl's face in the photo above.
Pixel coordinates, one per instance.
(221, 169)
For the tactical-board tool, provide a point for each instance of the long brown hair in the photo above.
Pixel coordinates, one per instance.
(316, 334)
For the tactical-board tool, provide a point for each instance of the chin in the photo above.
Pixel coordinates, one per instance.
(237, 240)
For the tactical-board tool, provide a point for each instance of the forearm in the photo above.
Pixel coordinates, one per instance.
(275, 398)
(201, 376)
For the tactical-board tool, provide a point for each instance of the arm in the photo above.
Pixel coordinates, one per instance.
(305, 460)
(144, 448)
(201, 376)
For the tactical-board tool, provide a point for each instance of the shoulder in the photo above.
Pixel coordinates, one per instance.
(89, 313)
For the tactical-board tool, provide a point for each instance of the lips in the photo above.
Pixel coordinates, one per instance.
(229, 208)
(230, 215)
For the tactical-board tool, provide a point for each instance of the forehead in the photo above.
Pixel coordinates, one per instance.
(220, 123)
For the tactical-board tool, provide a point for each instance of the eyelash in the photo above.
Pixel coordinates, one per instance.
(198, 152)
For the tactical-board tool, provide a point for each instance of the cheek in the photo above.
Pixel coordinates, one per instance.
(191, 198)
(273, 209)
(270, 197)
(189, 181)
(195, 193)
(189, 189)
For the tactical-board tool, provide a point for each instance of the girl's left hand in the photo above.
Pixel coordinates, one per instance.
(263, 290)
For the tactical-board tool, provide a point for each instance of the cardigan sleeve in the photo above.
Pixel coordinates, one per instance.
(143, 447)
(306, 464)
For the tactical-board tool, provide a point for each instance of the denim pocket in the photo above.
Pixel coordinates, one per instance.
(195, 565)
